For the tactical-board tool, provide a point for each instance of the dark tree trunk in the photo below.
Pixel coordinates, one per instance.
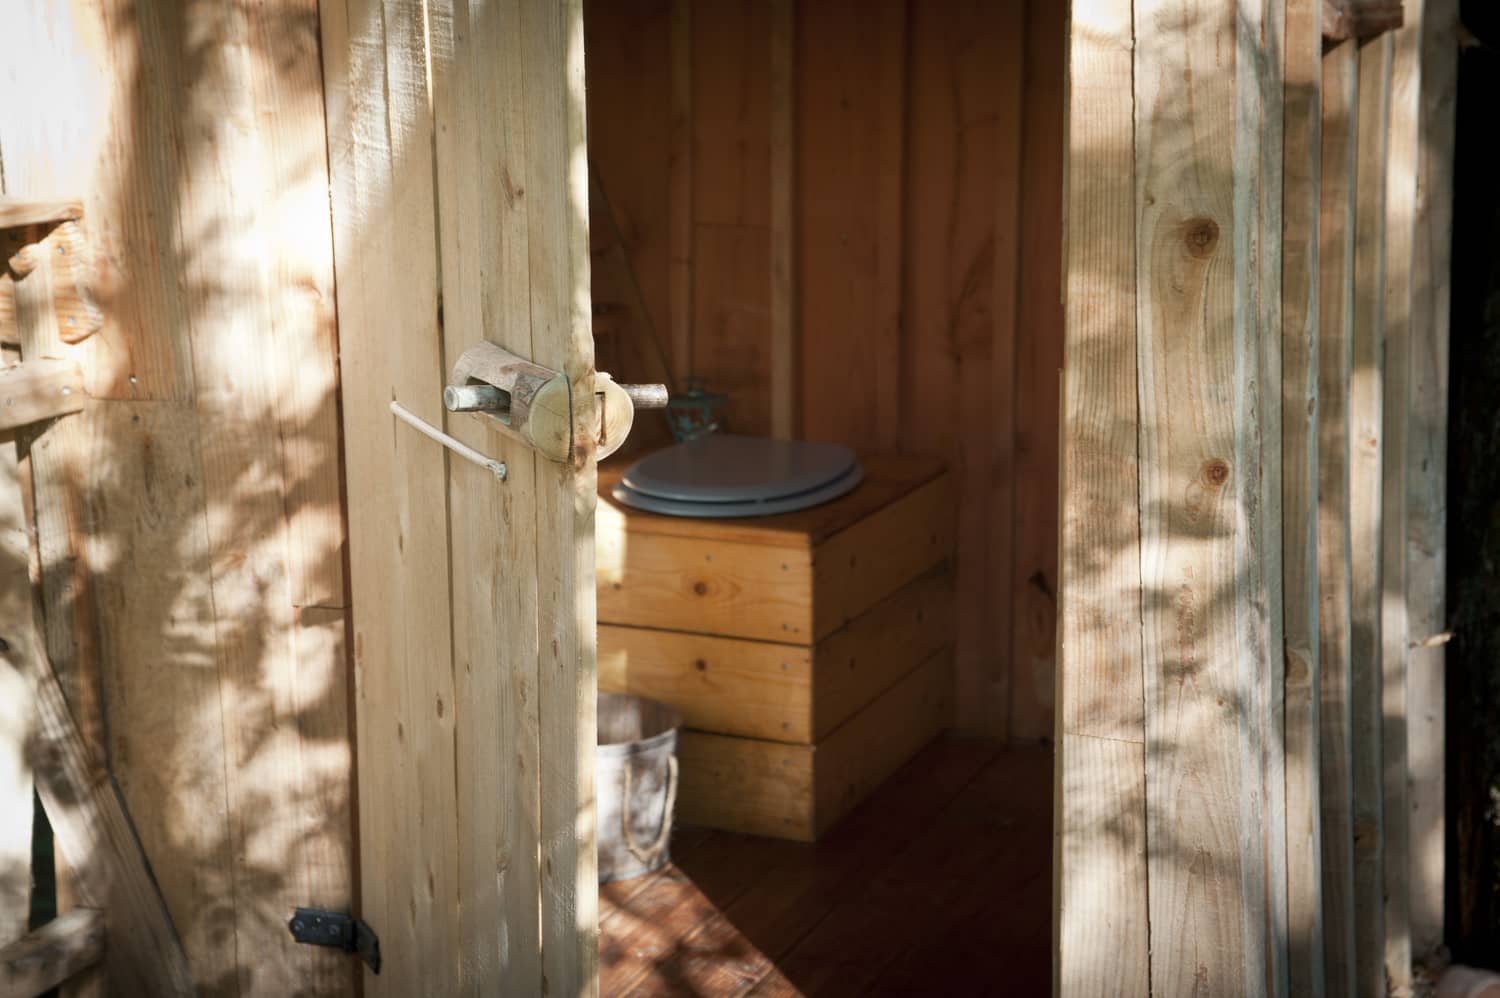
(1474, 513)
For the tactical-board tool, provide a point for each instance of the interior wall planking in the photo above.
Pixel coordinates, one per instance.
(1039, 345)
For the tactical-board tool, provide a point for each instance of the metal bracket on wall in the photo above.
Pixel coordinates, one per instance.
(337, 930)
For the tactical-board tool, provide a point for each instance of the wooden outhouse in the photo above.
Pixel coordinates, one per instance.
(1121, 672)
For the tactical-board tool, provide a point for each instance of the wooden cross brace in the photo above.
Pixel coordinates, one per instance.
(46, 263)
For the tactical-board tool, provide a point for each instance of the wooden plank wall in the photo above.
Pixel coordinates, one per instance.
(1303, 410)
(922, 300)
(189, 521)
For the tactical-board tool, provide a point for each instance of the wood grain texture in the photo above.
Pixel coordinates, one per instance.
(1301, 289)
(783, 173)
(680, 190)
(1208, 572)
(851, 112)
(1365, 456)
(184, 519)
(1426, 471)
(1038, 337)
(794, 578)
(385, 255)
(19, 213)
(83, 805)
(468, 745)
(1335, 359)
(17, 706)
(781, 692)
(486, 295)
(754, 689)
(958, 392)
(41, 390)
(562, 339)
(1403, 153)
(731, 207)
(1345, 19)
(1100, 903)
(59, 950)
(800, 791)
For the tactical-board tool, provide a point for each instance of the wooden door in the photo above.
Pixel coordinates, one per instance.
(459, 179)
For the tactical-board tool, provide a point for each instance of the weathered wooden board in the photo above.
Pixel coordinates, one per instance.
(474, 619)
(1101, 944)
(184, 520)
(1344, 19)
(1038, 339)
(1403, 153)
(41, 390)
(1365, 456)
(1204, 238)
(17, 707)
(1335, 358)
(59, 950)
(1427, 472)
(1301, 290)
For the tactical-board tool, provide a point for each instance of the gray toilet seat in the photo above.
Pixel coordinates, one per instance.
(722, 476)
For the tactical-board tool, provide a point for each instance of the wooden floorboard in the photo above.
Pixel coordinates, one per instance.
(942, 879)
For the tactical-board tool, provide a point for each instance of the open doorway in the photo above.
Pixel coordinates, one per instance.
(847, 220)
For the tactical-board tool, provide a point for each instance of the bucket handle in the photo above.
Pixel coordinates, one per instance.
(649, 855)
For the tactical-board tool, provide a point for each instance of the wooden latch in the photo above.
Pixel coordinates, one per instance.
(533, 404)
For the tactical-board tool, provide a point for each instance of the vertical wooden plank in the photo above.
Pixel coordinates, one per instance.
(17, 711)
(1202, 129)
(1426, 471)
(1335, 358)
(955, 401)
(1403, 152)
(385, 256)
(1365, 405)
(1036, 247)
(783, 298)
(1102, 934)
(731, 130)
(482, 160)
(680, 194)
(890, 225)
(850, 127)
(990, 687)
(295, 232)
(630, 158)
(1299, 447)
(558, 268)
(1259, 230)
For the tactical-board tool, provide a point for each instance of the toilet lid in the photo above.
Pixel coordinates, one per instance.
(727, 476)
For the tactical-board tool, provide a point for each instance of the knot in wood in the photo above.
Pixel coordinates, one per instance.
(1200, 235)
(1216, 472)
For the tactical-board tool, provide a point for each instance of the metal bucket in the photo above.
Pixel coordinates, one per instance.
(635, 783)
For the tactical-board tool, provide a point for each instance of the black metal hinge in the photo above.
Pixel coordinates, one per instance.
(317, 927)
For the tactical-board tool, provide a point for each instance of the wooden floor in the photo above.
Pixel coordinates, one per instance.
(940, 884)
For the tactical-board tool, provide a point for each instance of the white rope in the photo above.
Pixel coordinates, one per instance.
(649, 855)
(458, 447)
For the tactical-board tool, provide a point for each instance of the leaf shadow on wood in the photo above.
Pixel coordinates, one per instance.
(190, 530)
